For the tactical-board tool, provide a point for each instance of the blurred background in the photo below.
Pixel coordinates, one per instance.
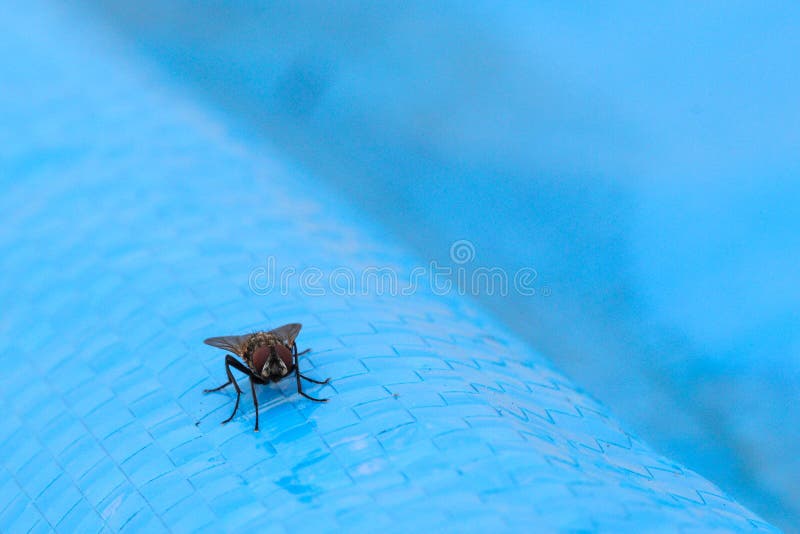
(645, 160)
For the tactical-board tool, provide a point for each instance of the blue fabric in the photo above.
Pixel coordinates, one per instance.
(132, 221)
(641, 157)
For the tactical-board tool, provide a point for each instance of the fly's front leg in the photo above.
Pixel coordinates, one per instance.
(230, 361)
(296, 361)
(255, 399)
(235, 384)
(296, 354)
(298, 375)
(228, 383)
(323, 382)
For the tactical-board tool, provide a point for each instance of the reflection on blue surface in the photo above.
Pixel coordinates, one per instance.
(295, 483)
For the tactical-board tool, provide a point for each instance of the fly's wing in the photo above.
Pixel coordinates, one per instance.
(287, 333)
(235, 344)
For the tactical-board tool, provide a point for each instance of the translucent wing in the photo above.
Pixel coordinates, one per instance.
(235, 344)
(287, 333)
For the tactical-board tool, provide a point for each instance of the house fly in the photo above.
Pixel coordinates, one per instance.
(269, 357)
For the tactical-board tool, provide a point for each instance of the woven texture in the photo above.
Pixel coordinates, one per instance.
(132, 221)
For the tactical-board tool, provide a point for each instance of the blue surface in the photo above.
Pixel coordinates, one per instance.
(642, 157)
(132, 219)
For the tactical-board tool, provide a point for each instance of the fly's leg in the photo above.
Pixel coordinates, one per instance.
(228, 383)
(301, 392)
(296, 361)
(230, 378)
(235, 384)
(230, 361)
(255, 400)
(298, 375)
(296, 354)
(314, 381)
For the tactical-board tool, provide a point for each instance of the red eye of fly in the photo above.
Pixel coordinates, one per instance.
(260, 357)
(285, 355)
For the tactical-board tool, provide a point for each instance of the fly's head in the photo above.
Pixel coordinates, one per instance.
(272, 361)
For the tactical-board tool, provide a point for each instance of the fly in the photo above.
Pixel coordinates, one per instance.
(270, 356)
